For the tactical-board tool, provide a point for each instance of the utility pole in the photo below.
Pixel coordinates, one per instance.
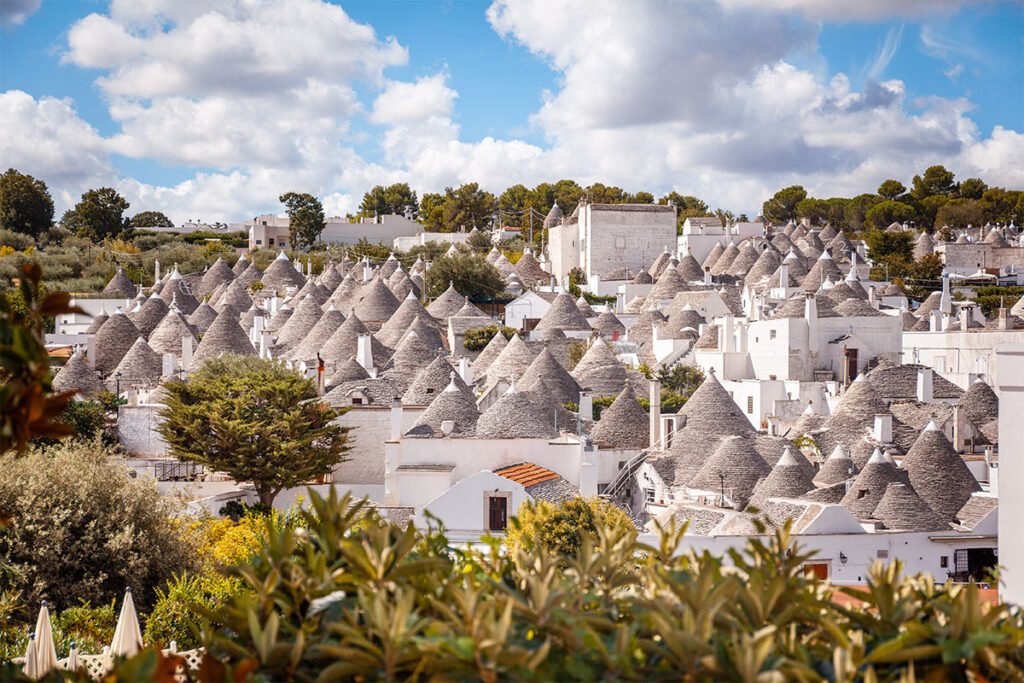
(531, 226)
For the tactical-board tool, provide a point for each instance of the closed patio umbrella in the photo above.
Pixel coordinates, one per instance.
(72, 663)
(31, 667)
(127, 636)
(46, 651)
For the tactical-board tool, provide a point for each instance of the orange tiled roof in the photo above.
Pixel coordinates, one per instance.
(526, 473)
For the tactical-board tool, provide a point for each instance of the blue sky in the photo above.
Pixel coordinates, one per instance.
(521, 91)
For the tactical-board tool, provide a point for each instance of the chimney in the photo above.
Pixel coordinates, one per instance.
(946, 302)
(959, 429)
(784, 277)
(965, 318)
(186, 352)
(811, 316)
(396, 419)
(872, 297)
(883, 428)
(728, 340)
(707, 276)
(465, 371)
(156, 271)
(620, 302)
(258, 324)
(320, 375)
(266, 341)
(925, 376)
(655, 405)
(935, 323)
(367, 271)
(364, 352)
(1003, 319)
(90, 351)
(167, 365)
(586, 410)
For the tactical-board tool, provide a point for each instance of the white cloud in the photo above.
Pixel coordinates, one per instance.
(886, 52)
(16, 12)
(847, 10)
(652, 95)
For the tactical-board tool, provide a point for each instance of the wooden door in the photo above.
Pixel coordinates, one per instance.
(498, 513)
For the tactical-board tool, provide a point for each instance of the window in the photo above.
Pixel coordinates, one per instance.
(862, 493)
(270, 241)
(944, 561)
(772, 334)
(750, 405)
(649, 495)
(882, 554)
(356, 401)
(497, 513)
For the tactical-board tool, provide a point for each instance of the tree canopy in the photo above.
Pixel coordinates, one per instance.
(397, 198)
(150, 219)
(782, 205)
(255, 420)
(99, 214)
(305, 218)
(472, 275)
(25, 204)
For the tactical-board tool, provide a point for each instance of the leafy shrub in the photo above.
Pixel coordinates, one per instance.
(181, 605)
(84, 529)
(476, 340)
(561, 528)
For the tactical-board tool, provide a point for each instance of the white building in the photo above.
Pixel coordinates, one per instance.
(407, 242)
(701, 234)
(1010, 366)
(600, 238)
(271, 232)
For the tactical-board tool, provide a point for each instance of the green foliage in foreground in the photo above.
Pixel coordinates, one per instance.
(348, 596)
(477, 339)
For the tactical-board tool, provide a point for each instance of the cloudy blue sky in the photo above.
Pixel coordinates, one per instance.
(209, 109)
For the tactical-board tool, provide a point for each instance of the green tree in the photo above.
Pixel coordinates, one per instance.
(687, 206)
(255, 420)
(472, 275)
(641, 198)
(467, 207)
(887, 212)
(1002, 206)
(936, 180)
(725, 216)
(397, 198)
(972, 188)
(928, 209)
(883, 244)
(817, 210)
(857, 208)
(25, 204)
(431, 213)
(150, 219)
(305, 218)
(892, 190)
(561, 528)
(959, 213)
(99, 214)
(782, 205)
(477, 339)
(599, 193)
(85, 529)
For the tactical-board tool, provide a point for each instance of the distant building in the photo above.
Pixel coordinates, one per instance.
(600, 238)
(407, 242)
(701, 234)
(271, 232)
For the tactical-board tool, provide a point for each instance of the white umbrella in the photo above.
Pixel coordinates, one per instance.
(127, 636)
(46, 651)
(31, 666)
(72, 663)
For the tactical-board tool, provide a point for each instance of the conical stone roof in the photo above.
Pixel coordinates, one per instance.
(585, 308)
(710, 410)
(824, 267)
(490, 352)
(113, 341)
(744, 261)
(504, 266)
(225, 336)
(712, 257)
(411, 356)
(311, 288)
(600, 371)
(346, 294)
(529, 270)
(325, 327)
(669, 284)
(853, 417)
(446, 305)
(278, 320)
(608, 324)
(766, 264)
(176, 292)
(789, 478)
(250, 275)
(689, 269)
(938, 474)
(838, 467)
(660, 264)
(202, 317)
(97, 321)
(77, 376)
(167, 336)
(563, 314)
(344, 343)
(725, 260)
(218, 274)
(121, 285)
(470, 310)
(512, 362)
(623, 424)
(431, 381)
(868, 488)
(401, 285)
(240, 265)
(330, 278)
(408, 312)
(150, 315)
(281, 274)
(515, 416)
(307, 314)
(452, 403)
(979, 403)
(560, 383)
(738, 459)
(348, 371)
(388, 268)
(140, 366)
(901, 508)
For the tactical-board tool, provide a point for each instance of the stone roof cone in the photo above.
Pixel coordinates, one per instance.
(901, 508)
(307, 314)
(310, 346)
(121, 285)
(600, 371)
(544, 367)
(431, 381)
(113, 341)
(446, 305)
(408, 312)
(167, 336)
(868, 488)
(97, 321)
(729, 255)
(689, 269)
(175, 291)
(343, 344)
(512, 362)
(453, 404)
(668, 284)
(741, 464)
(607, 324)
(515, 415)
(140, 366)
(563, 314)
(376, 304)
(712, 257)
(838, 466)
(281, 274)
(585, 308)
(150, 315)
(225, 336)
(744, 261)
(346, 294)
(788, 479)
(487, 356)
(348, 371)
(218, 274)
(77, 376)
(240, 265)
(202, 317)
(938, 474)
(623, 424)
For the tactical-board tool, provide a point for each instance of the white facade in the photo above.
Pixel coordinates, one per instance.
(700, 235)
(529, 304)
(407, 242)
(602, 237)
(271, 232)
(1010, 386)
(959, 356)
